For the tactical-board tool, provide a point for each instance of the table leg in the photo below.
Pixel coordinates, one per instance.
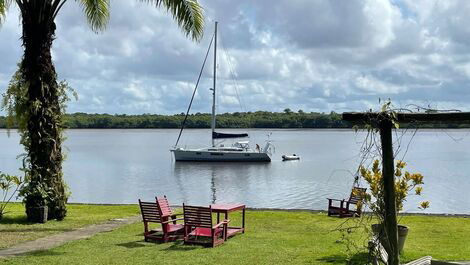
(243, 220)
(226, 218)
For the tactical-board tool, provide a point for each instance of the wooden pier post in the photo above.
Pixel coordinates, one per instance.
(388, 173)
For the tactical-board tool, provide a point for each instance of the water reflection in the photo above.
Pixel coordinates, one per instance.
(227, 181)
(213, 188)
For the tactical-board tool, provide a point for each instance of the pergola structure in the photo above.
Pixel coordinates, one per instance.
(383, 121)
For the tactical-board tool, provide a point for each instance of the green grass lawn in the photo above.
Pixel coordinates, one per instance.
(272, 237)
(15, 229)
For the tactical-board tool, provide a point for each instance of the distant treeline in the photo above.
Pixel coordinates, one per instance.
(258, 119)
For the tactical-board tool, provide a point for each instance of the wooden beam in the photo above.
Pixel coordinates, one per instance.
(388, 170)
(410, 117)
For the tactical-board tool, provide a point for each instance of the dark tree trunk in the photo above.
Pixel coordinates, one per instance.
(44, 132)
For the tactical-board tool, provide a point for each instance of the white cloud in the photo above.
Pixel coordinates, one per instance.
(315, 55)
(372, 85)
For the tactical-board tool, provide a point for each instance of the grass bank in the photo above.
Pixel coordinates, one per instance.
(272, 237)
(14, 228)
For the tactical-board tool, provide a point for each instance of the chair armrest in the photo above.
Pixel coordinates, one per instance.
(176, 214)
(172, 220)
(224, 222)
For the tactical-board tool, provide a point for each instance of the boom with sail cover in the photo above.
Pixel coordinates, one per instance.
(217, 135)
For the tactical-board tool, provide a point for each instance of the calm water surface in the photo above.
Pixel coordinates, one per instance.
(120, 166)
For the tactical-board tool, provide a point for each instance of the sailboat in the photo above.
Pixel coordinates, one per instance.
(240, 151)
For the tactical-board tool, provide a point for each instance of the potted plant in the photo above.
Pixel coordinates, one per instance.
(35, 196)
(405, 183)
(8, 183)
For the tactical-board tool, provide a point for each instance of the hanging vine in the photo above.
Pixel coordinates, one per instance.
(39, 188)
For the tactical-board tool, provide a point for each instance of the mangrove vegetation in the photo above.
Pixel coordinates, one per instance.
(257, 119)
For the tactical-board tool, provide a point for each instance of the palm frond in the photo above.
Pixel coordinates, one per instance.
(96, 12)
(187, 13)
(4, 5)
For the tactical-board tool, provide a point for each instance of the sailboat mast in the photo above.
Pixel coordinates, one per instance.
(213, 88)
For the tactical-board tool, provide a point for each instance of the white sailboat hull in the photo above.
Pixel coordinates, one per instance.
(220, 156)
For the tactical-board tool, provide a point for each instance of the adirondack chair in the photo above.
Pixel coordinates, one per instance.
(165, 210)
(169, 231)
(379, 255)
(347, 208)
(199, 228)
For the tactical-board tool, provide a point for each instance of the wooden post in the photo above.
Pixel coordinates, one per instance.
(389, 191)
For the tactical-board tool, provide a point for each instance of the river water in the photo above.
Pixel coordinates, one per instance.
(121, 166)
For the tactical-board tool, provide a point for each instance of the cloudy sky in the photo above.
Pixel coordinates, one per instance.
(321, 55)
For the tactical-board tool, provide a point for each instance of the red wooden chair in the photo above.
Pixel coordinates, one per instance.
(165, 210)
(169, 231)
(199, 228)
(347, 208)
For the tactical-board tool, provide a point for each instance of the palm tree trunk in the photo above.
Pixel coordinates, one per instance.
(43, 142)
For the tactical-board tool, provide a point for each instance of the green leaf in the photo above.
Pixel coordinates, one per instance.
(4, 5)
(96, 12)
(187, 13)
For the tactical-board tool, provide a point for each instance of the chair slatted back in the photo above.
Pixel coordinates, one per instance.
(150, 212)
(357, 194)
(164, 206)
(378, 251)
(197, 216)
(383, 253)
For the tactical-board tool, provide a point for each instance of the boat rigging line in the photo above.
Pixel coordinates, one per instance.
(233, 75)
(194, 92)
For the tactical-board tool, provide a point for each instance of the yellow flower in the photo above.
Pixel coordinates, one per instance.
(407, 176)
(418, 190)
(417, 178)
(363, 171)
(375, 166)
(400, 164)
(424, 205)
(405, 182)
(398, 172)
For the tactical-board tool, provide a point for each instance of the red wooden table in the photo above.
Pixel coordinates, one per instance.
(225, 209)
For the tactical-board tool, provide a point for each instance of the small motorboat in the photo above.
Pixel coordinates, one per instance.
(291, 157)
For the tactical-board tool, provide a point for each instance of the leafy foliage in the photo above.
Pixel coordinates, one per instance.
(187, 13)
(16, 102)
(4, 5)
(9, 185)
(405, 182)
(258, 119)
(96, 12)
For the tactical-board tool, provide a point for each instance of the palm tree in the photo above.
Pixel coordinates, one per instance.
(43, 113)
